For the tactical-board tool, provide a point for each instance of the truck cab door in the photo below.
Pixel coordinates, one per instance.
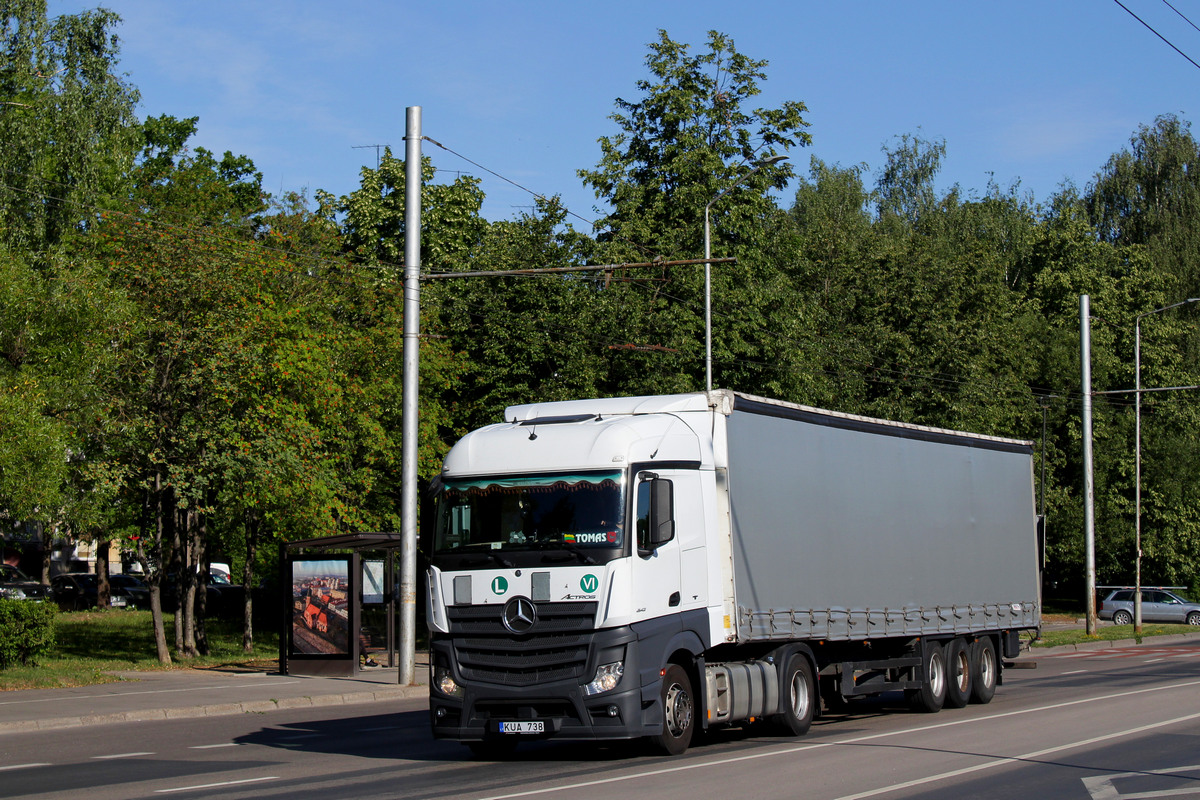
(656, 549)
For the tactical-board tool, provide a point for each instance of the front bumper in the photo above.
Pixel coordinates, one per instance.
(567, 713)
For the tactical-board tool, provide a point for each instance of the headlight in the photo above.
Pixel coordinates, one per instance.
(607, 678)
(444, 682)
(13, 593)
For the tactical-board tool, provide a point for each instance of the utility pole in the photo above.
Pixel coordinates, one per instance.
(409, 427)
(1089, 490)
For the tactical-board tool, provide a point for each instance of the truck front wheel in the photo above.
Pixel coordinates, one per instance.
(799, 698)
(679, 711)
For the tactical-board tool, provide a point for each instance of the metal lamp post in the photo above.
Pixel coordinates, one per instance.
(708, 382)
(1137, 479)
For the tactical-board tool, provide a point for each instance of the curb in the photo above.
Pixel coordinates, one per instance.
(1105, 644)
(216, 710)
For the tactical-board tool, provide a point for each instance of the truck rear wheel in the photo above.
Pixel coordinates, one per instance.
(960, 673)
(799, 698)
(985, 670)
(932, 694)
(679, 711)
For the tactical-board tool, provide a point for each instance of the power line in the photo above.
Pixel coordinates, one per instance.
(1180, 13)
(1159, 35)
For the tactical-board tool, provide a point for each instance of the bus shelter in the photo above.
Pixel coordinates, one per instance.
(340, 604)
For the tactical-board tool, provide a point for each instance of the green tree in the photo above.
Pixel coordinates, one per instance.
(67, 128)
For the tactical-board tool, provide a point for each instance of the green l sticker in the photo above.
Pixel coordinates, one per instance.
(499, 584)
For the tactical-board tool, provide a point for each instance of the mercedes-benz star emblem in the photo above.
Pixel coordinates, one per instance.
(520, 614)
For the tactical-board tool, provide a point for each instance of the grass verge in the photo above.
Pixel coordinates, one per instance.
(1108, 633)
(93, 644)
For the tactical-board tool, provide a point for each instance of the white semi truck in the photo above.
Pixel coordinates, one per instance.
(642, 567)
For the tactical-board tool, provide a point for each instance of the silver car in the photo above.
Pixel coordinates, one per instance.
(1158, 605)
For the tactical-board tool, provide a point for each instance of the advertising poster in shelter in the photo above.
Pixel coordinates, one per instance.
(372, 582)
(321, 607)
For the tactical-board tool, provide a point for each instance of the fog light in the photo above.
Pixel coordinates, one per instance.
(607, 678)
(613, 711)
(441, 712)
(444, 682)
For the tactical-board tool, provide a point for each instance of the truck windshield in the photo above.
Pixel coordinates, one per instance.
(579, 515)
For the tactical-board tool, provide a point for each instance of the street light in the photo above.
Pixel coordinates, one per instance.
(766, 162)
(1137, 479)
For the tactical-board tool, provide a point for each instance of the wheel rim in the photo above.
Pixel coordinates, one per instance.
(1123, 618)
(987, 667)
(937, 676)
(800, 695)
(1193, 619)
(678, 710)
(962, 671)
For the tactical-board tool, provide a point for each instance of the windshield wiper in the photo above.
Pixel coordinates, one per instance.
(490, 555)
(578, 552)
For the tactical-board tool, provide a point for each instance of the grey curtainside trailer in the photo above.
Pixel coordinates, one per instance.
(850, 528)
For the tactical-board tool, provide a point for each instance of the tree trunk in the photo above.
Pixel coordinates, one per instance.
(185, 639)
(199, 530)
(152, 564)
(103, 588)
(252, 527)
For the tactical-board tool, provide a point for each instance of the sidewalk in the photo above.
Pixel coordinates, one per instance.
(183, 693)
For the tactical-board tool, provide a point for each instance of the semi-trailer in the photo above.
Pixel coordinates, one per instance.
(643, 567)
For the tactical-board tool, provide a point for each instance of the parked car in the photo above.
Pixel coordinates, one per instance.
(78, 591)
(16, 585)
(1158, 605)
(135, 587)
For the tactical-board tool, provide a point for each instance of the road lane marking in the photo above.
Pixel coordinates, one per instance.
(120, 755)
(839, 742)
(7, 767)
(999, 762)
(216, 785)
(1103, 787)
(213, 746)
(1073, 672)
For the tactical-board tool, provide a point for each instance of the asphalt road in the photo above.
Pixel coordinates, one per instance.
(1101, 725)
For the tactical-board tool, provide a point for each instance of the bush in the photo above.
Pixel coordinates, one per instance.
(26, 631)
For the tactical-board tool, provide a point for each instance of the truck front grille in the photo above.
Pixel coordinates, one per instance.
(555, 649)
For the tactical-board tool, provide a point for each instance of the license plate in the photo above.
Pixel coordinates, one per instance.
(523, 726)
(116, 601)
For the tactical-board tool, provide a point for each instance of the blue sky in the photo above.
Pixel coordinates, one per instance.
(1039, 91)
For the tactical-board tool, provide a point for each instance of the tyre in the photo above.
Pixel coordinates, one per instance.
(798, 696)
(932, 694)
(985, 670)
(679, 712)
(1193, 618)
(958, 673)
(1122, 617)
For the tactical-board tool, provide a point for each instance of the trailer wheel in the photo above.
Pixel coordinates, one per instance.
(960, 673)
(985, 670)
(932, 694)
(799, 698)
(679, 712)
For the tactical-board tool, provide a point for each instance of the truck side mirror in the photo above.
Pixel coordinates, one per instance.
(662, 512)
